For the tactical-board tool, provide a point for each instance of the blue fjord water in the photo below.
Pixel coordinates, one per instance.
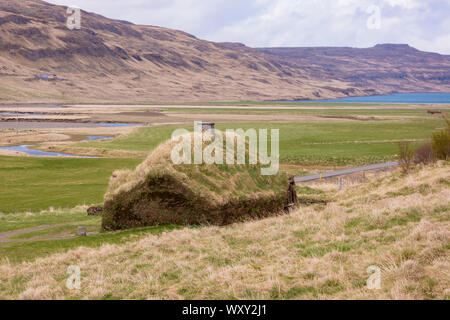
(428, 97)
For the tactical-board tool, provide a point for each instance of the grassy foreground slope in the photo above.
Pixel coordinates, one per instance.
(398, 223)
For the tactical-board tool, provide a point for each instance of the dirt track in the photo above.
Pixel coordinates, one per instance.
(4, 237)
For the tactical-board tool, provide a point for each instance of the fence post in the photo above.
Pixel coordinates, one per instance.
(82, 231)
(292, 199)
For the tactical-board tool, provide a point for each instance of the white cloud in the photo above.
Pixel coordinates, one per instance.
(408, 4)
(262, 23)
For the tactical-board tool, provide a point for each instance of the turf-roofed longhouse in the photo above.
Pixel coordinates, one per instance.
(160, 192)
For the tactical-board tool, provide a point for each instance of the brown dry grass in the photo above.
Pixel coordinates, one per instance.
(399, 223)
(252, 118)
(92, 152)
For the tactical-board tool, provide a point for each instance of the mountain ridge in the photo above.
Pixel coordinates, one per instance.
(115, 60)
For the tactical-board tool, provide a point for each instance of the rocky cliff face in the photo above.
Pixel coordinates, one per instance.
(116, 60)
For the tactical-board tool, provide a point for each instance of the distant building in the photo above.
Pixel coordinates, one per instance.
(434, 111)
(201, 126)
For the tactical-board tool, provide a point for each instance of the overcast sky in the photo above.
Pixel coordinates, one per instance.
(424, 24)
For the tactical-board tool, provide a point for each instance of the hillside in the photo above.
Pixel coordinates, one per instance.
(382, 68)
(111, 60)
(397, 223)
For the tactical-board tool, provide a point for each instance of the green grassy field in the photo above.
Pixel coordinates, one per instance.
(144, 139)
(33, 184)
(324, 143)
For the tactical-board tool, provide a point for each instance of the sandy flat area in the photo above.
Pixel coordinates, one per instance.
(334, 106)
(12, 153)
(13, 138)
(24, 125)
(190, 117)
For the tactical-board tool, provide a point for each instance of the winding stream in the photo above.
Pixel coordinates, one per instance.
(92, 138)
(39, 153)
